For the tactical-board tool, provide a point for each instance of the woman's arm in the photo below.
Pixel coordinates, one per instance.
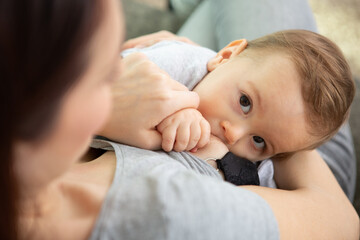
(311, 205)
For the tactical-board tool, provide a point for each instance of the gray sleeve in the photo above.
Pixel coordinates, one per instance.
(179, 204)
(184, 62)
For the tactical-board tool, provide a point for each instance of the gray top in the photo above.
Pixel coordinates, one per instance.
(184, 62)
(158, 195)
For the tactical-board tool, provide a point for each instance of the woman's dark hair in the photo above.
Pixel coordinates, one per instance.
(43, 52)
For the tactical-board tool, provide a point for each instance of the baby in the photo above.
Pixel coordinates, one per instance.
(270, 97)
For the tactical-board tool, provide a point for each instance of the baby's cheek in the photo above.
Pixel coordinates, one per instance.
(244, 150)
(213, 117)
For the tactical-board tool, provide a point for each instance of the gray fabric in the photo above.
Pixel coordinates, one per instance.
(185, 63)
(155, 195)
(258, 18)
(216, 23)
(339, 154)
(227, 20)
(200, 27)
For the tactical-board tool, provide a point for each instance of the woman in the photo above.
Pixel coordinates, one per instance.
(58, 60)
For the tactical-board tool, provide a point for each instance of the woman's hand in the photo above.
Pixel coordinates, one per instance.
(151, 39)
(142, 97)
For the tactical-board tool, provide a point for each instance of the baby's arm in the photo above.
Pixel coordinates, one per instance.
(184, 130)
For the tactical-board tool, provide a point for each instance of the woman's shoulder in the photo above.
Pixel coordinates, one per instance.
(79, 194)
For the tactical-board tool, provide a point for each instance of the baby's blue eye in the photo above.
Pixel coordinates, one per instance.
(245, 103)
(259, 142)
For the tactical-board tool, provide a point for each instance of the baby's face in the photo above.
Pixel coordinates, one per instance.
(255, 108)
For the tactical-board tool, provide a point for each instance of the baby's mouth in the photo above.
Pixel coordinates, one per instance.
(215, 137)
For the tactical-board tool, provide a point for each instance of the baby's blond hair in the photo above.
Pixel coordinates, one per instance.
(326, 80)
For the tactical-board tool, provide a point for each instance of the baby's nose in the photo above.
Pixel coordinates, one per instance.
(232, 133)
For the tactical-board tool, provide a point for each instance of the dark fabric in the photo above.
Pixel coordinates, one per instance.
(238, 171)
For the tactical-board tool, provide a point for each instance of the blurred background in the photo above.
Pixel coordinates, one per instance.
(337, 20)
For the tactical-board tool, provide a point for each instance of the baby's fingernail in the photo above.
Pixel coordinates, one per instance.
(194, 150)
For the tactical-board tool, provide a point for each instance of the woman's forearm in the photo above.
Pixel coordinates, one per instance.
(310, 203)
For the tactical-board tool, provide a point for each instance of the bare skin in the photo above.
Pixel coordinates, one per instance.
(157, 94)
(69, 206)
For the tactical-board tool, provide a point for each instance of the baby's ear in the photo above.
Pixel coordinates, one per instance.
(230, 51)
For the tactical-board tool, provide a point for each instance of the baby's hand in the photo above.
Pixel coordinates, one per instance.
(184, 130)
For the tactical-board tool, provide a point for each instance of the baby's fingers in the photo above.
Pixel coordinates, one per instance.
(168, 137)
(195, 135)
(205, 134)
(182, 137)
(168, 129)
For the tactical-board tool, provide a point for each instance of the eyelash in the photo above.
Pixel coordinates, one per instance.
(254, 145)
(248, 99)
